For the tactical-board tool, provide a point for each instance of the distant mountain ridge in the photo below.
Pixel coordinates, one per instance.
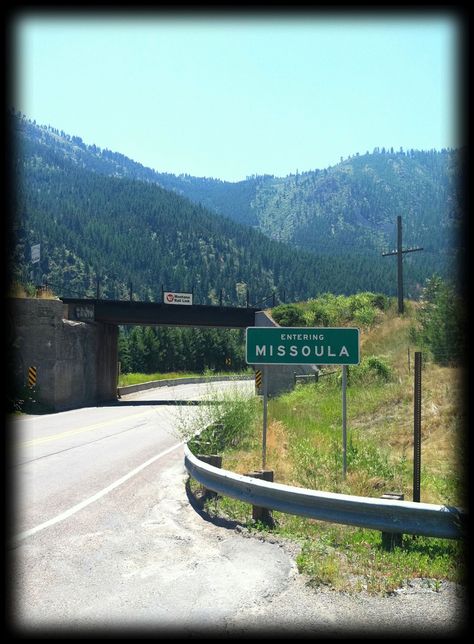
(369, 190)
(340, 218)
(211, 193)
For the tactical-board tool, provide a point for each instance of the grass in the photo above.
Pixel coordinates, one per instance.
(352, 559)
(304, 448)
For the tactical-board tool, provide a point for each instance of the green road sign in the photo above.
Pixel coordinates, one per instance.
(291, 345)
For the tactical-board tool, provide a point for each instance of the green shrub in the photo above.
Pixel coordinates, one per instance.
(380, 301)
(371, 369)
(289, 315)
(334, 310)
(316, 468)
(365, 316)
(226, 421)
(370, 460)
(441, 322)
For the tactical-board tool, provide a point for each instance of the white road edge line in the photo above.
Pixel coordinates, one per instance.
(92, 499)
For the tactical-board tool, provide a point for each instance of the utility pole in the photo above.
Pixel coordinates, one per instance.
(399, 253)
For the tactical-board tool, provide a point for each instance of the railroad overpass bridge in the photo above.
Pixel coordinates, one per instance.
(72, 344)
(120, 312)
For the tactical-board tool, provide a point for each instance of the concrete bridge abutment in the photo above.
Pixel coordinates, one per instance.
(76, 362)
(281, 378)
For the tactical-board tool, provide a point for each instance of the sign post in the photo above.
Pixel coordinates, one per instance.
(35, 259)
(265, 402)
(417, 428)
(35, 253)
(292, 345)
(344, 421)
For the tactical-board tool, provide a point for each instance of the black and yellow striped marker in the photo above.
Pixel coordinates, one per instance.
(31, 376)
(258, 381)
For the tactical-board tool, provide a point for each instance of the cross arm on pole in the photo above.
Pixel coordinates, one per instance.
(395, 252)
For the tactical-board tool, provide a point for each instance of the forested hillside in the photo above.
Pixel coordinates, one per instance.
(231, 199)
(99, 215)
(353, 207)
(128, 231)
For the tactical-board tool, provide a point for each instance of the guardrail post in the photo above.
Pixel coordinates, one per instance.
(262, 514)
(390, 540)
(210, 459)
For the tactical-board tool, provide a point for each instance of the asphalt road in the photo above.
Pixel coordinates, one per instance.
(105, 540)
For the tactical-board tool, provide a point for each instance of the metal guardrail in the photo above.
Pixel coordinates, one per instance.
(386, 515)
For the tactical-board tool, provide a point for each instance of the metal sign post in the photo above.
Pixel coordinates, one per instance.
(35, 260)
(265, 401)
(35, 253)
(344, 421)
(417, 428)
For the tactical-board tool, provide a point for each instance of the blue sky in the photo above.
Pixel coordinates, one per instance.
(230, 96)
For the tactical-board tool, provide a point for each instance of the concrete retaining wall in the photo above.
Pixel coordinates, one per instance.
(76, 361)
(174, 382)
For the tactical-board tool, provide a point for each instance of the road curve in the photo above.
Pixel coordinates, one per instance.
(105, 538)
